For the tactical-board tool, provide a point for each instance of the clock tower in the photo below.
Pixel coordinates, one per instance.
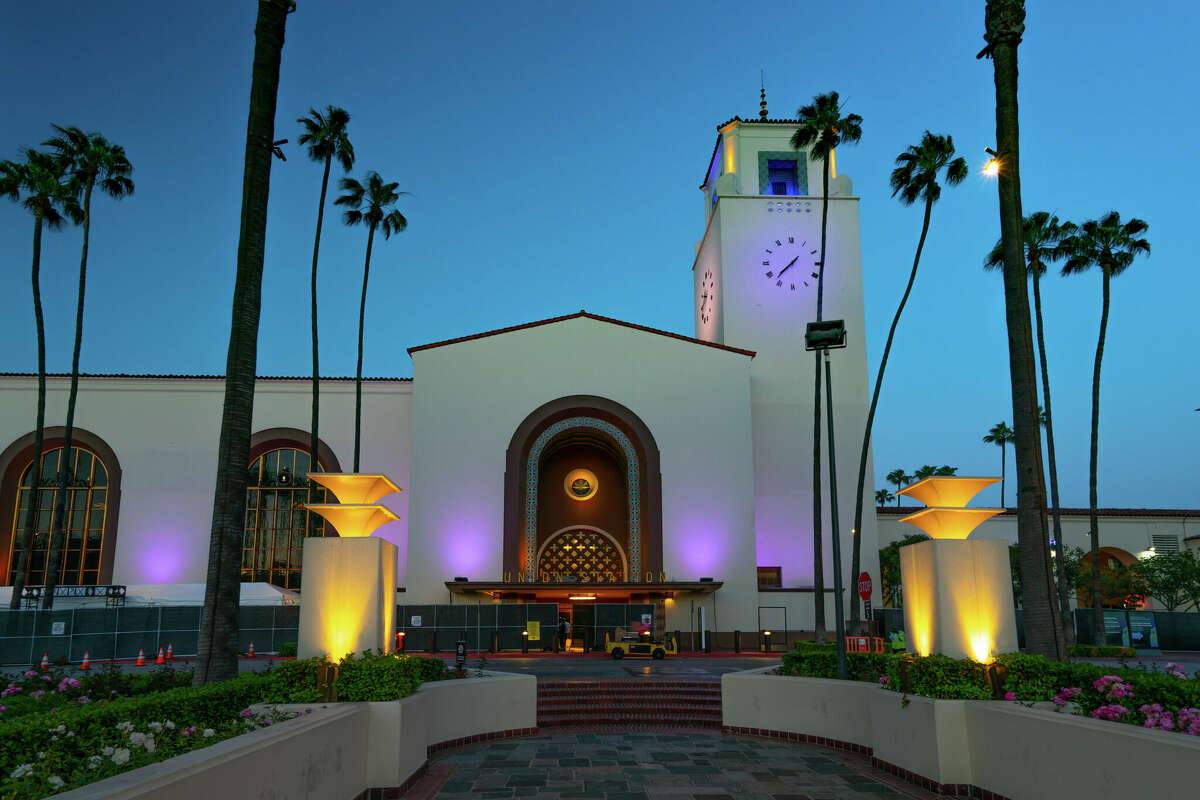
(755, 287)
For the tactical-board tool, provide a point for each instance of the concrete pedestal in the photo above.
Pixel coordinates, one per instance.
(348, 602)
(957, 598)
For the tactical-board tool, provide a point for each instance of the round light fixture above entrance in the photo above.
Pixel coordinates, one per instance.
(580, 484)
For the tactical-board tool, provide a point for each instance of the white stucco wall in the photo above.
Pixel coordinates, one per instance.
(694, 399)
(164, 432)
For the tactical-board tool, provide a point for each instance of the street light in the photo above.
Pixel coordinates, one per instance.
(822, 336)
(991, 167)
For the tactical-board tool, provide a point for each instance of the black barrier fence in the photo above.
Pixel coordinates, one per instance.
(437, 628)
(108, 633)
(1173, 630)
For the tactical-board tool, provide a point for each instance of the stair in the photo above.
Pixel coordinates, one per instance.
(637, 703)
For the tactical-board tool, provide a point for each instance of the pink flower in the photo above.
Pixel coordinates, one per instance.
(38, 695)
(245, 712)
(1110, 712)
(883, 680)
(1010, 696)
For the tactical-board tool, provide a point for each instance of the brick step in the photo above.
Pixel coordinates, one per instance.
(583, 694)
(657, 702)
(649, 683)
(601, 718)
(714, 690)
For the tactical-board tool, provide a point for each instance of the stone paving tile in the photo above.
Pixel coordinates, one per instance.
(651, 766)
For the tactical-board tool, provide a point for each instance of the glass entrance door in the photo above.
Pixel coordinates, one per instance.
(583, 626)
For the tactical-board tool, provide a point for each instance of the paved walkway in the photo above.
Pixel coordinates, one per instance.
(644, 766)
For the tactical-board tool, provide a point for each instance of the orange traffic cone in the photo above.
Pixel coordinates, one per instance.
(170, 652)
(45, 661)
(250, 653)
(87, 664)
(141, 661)
(160, 659)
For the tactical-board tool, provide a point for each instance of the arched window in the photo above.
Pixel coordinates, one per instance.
(86, 503)
(276, 521)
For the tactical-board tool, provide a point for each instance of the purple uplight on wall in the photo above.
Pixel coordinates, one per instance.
(468, 545)
(162, 559)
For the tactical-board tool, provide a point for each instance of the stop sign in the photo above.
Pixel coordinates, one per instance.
(864, 586)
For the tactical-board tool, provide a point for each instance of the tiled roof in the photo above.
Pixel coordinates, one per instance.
(180, 376)
(1073, 512)
(579, 315)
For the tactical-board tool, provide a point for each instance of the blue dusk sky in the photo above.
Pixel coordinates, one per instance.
(553, 151)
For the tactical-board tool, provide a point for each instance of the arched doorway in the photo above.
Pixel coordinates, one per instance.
(1113, 561)
(583, 463)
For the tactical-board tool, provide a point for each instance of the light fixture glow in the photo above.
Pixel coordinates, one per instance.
(353, 521)
(582, 597)
(991, 167)
(356, 488)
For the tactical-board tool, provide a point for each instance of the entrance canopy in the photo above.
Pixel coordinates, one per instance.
(582, 592)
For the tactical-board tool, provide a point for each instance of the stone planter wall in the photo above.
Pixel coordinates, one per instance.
(965, 747)
(339, 751)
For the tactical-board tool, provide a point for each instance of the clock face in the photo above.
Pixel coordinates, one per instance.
(789, 263)
(708, 294)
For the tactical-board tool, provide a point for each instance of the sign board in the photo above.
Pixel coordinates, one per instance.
(1116, 631)
(647, 619)
(58, 628)
(414, 622)
(535, 630)
(864, 586)
(1142, 631)
(460, 654)
(867, 610)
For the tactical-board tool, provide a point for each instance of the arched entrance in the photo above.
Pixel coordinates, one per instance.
(582, 555)
(583, 464)
(1113, 562)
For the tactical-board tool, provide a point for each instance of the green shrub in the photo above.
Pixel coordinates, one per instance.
(375, 677)
(293, 682)
(287, 649)
(1115, 651)
(1084, 650)
(33, 691)
(820, 661)
(939, 677)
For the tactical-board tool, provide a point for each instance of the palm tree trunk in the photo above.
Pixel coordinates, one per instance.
(1003, 470)
(1064, 604)
(1004, 20)
(1093, 501)
(314, 437)
(218, 644)
(362, 317)
(21, 574)
(855, 560)
(59, 527)
(818, 555)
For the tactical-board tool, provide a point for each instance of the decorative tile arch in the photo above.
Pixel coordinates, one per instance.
(633, 484)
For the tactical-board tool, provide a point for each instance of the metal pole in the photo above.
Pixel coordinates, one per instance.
(839, 616)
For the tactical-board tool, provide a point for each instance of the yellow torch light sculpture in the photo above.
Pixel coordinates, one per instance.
(957, 592)
(349, 595)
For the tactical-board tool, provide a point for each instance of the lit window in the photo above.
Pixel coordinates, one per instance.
(86, 503)
(276, 520)
(770, 577)
(781, 176)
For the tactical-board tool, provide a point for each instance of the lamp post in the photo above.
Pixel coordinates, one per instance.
(823, 336)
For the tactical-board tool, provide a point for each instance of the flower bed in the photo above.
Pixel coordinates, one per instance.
(1167, 700)
(86, 737)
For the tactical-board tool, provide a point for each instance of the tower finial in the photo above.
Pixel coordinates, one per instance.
(762, 106)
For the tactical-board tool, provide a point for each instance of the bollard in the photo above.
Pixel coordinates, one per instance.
(495, 647)
(737, 641)
(525, 643)
(708, 641)
(766, 641)
(400, 641)
(433, 641)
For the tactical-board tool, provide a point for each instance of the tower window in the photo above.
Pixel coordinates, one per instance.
(781, 176)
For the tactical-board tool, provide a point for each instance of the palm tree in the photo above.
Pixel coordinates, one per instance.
(370, 205)
(1043, 238)
(1111, 245)
(899, 478)
(914, 178)
(945, 470)
(218, 643)
(326, 137)
(883, 497)
(37, 183)
(1004, 24)
(1000, 435)
(90, 161)
(822, 128)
